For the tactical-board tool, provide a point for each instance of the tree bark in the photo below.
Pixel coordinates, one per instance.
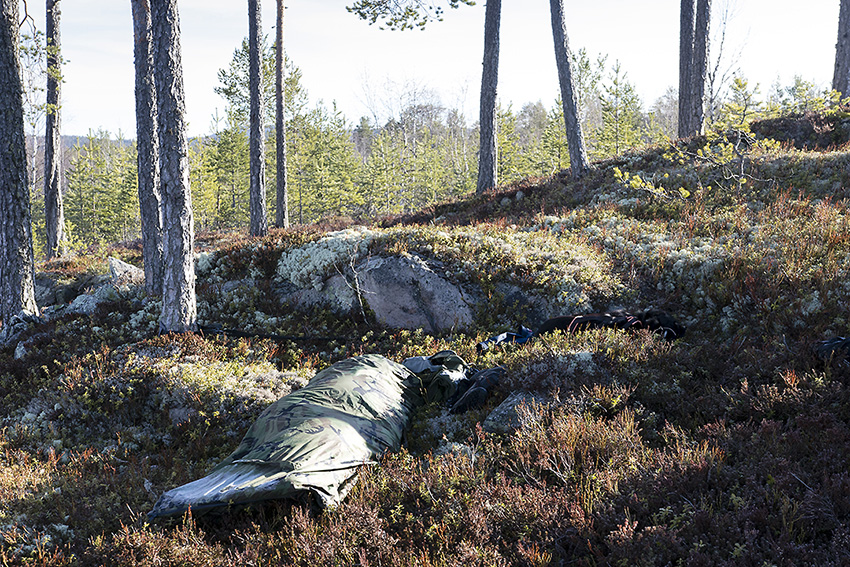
(282, 206)
(841, 75)
(54, 212)
(179, 307)
(686, 62)
(147, 147)
(257, 195)
(17, 271)
(700, 67)
(579, 164)
(489, 84)
(693, 65)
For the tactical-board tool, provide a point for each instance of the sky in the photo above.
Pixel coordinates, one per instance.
(363, 69)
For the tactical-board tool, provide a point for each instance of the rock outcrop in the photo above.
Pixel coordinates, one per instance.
(405, 293)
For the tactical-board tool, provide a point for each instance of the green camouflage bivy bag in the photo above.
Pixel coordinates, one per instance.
(313, 439)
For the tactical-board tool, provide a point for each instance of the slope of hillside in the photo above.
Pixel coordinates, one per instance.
(729, 446)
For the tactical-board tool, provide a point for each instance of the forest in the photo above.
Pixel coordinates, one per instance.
(424, 154)
(725, 443)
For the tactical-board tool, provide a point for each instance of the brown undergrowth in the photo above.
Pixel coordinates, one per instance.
(729, 446)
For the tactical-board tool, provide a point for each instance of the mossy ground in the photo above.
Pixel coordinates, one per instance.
(730, 446)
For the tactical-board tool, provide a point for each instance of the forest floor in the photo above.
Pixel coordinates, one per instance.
(729, 446)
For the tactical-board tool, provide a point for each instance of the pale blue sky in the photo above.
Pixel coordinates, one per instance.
(344, 59)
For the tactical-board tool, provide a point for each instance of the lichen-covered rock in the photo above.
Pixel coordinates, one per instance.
(124, 274)
(86, 303)
(405, 293)
(505, 418)
(16, 326)
(309, 265)
(337, 293)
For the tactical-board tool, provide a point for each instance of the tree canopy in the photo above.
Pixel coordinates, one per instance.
(401, 14)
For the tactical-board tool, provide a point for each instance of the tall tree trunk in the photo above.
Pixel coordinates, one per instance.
(257, 196)
(686, 65)
(489, 85)
(841, 75)
(575, 139)
(17, 271)
(700, 68)
(147, 147)
(693, 65)
(54, 212)
(282, 207)
(179, 307)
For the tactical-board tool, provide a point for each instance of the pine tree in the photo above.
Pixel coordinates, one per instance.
(204, 183)
(401, 14)
(235, 79)
(555, 153)
(89, 189)
(511, 162)
(325, 165)
(17, 272)
(841, 74)
(621, 115)
(487, 165)
(179, 306)
(147, 145)
(230, 166)
(579, 163)
(694, 19)
(742, 106)
(102, 200)
(54, 211)
(257, 136)
(379, 178)
(281, 198)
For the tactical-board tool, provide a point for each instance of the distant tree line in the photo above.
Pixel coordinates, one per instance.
(423, 153)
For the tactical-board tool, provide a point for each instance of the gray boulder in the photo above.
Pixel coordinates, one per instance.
(87, 303)
(86, 292)
(49, 291)
(124, 274)
(105, 288)
(336, 293)
(16, 326)
(506, 418)
(405, 293)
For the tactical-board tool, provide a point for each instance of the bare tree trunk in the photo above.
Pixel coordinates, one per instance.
(257, 196)
(282, 207)
(147, 147)
(579, 165)
(841, 76)
(686, 62)
(54, 212)
(489, 85)
(700, 68)
(693, 65)
(17, 271)
(179, 307)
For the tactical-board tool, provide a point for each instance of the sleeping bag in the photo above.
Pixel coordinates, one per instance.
(313, 439)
